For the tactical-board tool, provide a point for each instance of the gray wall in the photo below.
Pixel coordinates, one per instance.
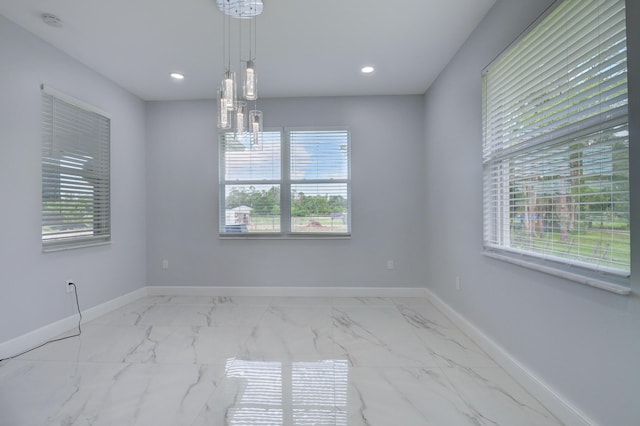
(387, 199)
(32, 283)
(583, 341)
(416, 202)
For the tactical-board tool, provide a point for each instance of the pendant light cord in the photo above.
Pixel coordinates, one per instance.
(228, 38)
(224, 37)
(251, 37)
(255, 52)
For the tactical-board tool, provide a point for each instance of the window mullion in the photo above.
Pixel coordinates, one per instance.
(285, 191)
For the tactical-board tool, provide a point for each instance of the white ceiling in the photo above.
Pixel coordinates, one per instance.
(305, 47)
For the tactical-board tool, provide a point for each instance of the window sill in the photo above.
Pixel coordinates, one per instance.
(72, 246)
(572, 276)
(265, 236)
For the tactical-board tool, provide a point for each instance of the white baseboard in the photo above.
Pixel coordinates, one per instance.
(559, 405)
(556, 403)
(55, 329)
(286, 291)
(113, 304)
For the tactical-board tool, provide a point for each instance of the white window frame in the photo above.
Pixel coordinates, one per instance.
(285, 182)
(498, 159)
(66, 150)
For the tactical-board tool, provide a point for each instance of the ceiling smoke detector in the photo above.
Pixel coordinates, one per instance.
(240, 8)
(51, 20)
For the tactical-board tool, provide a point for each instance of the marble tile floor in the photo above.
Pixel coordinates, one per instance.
(171, 360)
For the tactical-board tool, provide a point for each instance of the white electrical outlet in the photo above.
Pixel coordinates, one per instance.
(457, 283)
(390, 264)
(68, 287)
(165, 264)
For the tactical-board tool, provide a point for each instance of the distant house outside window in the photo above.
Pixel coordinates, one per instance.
(556, 143)
(293, 183)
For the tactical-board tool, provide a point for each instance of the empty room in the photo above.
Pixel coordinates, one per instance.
(304, 212)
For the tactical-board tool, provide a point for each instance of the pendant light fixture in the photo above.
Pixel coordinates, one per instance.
(232, 112)
(255, 123)
(223, 112)
(241, 113)
(229, 89)
(250, 89)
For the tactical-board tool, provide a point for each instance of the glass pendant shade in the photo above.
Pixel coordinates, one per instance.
(229, 89)
(241, 112)
(255, 125)
(233, 95)
(223, 113)
(250, 89)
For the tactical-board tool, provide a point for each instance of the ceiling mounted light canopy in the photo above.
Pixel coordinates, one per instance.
(231, 108)
(240, 8)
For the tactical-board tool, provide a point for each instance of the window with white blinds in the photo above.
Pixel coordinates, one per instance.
(556, 141)
(294, 182)
(250, 183)
(75, 173)
(319, 173)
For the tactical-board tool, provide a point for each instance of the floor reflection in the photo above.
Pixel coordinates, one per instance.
(302, 393)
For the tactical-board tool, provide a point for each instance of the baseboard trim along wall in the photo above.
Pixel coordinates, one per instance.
(556, 403)
(55, 329)
(286, 291)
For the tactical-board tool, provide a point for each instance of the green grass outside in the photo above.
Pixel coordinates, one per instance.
(618, 225)
(318, 224)
(610, 247)
(315, 224)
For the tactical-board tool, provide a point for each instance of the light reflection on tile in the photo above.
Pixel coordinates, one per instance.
(271, 392)
(200, 360)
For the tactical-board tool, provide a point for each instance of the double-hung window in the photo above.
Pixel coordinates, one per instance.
(556, 144)
(292, 183)
(75, 173)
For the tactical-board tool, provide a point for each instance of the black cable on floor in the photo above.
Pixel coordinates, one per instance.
(75, 291)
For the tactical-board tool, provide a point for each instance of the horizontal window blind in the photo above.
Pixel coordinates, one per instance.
(75, 174)
(251, 181)
(242, 162)
(556, 142)
(319, 181)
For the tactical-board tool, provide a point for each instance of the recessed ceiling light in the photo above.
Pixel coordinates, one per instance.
(177, 76)
(367, 70)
